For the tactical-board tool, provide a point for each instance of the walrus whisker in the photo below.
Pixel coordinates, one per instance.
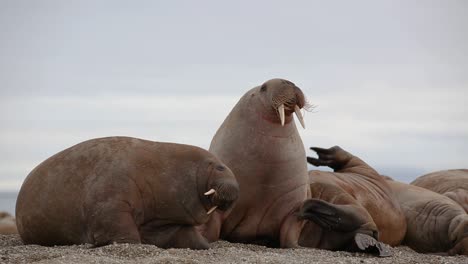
(298, 113)
(211, 210)
(281, 113)
(211, 191)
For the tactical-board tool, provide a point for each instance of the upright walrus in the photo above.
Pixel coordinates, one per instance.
(259, 141)
(124, 190)
(451, 183)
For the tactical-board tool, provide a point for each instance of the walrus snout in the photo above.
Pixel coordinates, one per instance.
(226, 194)
(286, 99)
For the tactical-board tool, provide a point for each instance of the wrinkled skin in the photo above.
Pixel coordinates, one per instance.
(367, 191)
(436, 224)
(123, 190)
(268, 160)
(451, 183)
(7, 224)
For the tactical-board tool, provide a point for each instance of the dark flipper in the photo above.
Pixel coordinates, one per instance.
(341, 218)
(334, 157)
(369, 244)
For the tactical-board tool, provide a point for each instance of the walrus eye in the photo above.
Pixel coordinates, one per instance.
(263, 88)
(220, 168)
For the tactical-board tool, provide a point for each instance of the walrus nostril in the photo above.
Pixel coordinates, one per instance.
(220, 168)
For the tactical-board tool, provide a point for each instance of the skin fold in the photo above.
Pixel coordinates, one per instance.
(123, 190)
(451, 183)
(436, 224)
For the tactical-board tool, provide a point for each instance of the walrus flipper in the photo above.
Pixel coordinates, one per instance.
(340, 160)
(334, 217)
(334, 157)
(367, 243)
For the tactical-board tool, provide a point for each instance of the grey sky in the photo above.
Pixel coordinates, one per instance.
(390, 78)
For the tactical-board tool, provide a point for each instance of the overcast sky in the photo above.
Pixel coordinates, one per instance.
(389, 78)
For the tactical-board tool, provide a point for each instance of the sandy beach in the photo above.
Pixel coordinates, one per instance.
(12, 250)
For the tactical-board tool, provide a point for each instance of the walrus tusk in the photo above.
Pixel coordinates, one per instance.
(297, 110)
(211, 210)
(281, 113)
(211, 191)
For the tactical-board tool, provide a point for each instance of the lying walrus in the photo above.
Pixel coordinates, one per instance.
(7, 224)
(124, 190)
(434, 223)
(357, 188)
(259, 141)
(451, 183)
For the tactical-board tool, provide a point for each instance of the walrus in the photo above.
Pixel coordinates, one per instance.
(7, 224)
(451, 183)
(259, 141)
(436, 224)
(124, 190)
(356, 187)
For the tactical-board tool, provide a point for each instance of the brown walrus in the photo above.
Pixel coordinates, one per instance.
(451, 183)
(124, 190)
(259, 141)
(436, 224)
(7, 224)
(359, 189)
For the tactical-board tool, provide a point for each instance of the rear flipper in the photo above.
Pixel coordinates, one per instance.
(334, 157)
(345, 219)
(342, 161)
(369, 244)
(173, 236)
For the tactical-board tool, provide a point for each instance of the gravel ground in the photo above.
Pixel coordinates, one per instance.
(13, 251)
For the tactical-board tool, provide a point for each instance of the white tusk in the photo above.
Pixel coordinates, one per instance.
(299, 115)
(211, 191)
(211, 210)
(281, 113)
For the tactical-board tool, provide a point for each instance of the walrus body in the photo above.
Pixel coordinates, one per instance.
(451, 183)
(268, 160)
(436, 224)
(123, 190)
(359, 189)
(7, 224)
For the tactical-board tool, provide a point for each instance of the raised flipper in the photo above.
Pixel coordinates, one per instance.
(342, 161)
(334, 157)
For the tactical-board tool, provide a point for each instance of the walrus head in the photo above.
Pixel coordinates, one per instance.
(282, 98)
(222, 188)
